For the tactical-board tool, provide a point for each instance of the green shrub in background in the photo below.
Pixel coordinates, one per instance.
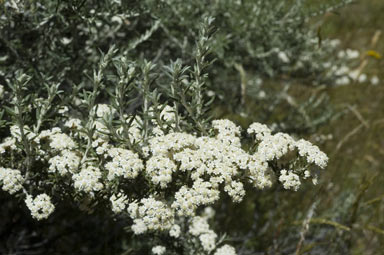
(255, 40)
(58, 43)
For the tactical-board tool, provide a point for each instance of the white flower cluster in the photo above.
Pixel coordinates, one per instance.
(8, 144)
(347, 75)
(12, 180)
(260, 174)
(73, 123)
(124, 163)
(289, 180)
(275, 146)
(158, 250)
(65, 162)
(16, 133)
(119, 202)
(88, 180)
(41, 207)
(259, 130)
(312, 153)
(211, 162)
(196, 169)
(60, 142)
(175, 231)
(167, 114)
(225, 250)
(235, 190)
(150, 215)
(187, 199)
(103, 110)
(228, 132)
(200, 228)
(160, 169)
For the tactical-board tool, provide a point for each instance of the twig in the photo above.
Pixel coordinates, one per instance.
(347, 136)
(305, 227)
(358, 115)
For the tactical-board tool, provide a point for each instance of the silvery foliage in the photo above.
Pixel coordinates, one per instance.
(255, 41)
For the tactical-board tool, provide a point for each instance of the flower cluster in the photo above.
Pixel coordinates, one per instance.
(12, 180)
(225, 250)
(65, 162)
(102, 110)
(150, 215)
(125, 163)
(289, 180)
(192, 170)
(119, 202)
(200, 228)
(88, 180)
(158, 250)
(40, 207)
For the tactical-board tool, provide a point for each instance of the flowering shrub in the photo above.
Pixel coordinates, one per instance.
(135, 140)
(158, 167)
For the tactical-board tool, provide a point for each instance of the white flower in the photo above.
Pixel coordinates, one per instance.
(208, 240)
(354, 74)
(60, 141)
(160, 170)
(103, 109)
(63, 109)
(73, 123)
(150, 214)
(9, 143)
(375, 80)
(275, 146)
(225, 250)
(260, 130)
(139, 227)
(198, 226)
(12, 180)
(175, 231)
(208, 213)
(363, 78)
(341, 54)
(167, 114)
(344, 80)
(352, 54)
(342, 71)
(118, 203)
(88, 180)
(66, 162)
(334, 43)
(228, 132)
(235, 190)
(16, 133)
(289, 180)
(158, 250)
(40, 207)
(312, 153)
(259, 173)
(188, 199)
(124, 163)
